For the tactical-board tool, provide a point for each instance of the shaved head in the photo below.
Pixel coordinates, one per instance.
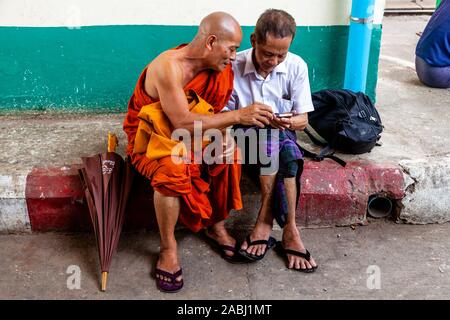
(217, 40)
(220, 24)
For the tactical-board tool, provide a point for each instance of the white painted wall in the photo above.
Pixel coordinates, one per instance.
(74, 13)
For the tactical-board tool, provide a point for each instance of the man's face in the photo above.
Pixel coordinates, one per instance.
(224, 51)
(270, 54)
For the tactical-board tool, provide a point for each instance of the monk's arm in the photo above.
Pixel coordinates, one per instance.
(175, 106)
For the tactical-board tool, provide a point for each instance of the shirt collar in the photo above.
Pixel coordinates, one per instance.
(250, 67)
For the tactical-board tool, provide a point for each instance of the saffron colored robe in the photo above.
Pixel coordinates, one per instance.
(207, 192)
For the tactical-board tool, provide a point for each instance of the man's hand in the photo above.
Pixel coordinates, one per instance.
(280, 123)
(256, 114)
(299, 122)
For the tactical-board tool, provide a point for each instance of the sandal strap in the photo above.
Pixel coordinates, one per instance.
(225, 247)
(255, 242)
(172, 276)
(305, 256)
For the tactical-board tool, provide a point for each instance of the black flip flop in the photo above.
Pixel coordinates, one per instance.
(236, 258)
(253, 257)
(307, 256)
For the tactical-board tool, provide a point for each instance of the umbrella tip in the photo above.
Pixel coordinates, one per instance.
(104, 279)
(113, 141)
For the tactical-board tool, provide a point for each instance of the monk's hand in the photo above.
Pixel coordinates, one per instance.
(299, 121)
(228, 143)
(256, 114)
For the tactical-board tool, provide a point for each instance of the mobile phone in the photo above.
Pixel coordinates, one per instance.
(284, 114)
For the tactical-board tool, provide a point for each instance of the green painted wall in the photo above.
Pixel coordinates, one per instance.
(96, 68)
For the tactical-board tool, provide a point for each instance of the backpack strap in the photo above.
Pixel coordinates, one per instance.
(315, 137)
(326, 152)
(379, 143)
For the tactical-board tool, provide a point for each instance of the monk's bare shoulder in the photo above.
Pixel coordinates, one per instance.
(164, 70)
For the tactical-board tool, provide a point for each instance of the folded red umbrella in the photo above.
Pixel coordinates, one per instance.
(107, 178)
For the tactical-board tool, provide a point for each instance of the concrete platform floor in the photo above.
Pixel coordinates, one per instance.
(413, 263)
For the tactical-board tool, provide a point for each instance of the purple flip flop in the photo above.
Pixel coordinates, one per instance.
(171, 285)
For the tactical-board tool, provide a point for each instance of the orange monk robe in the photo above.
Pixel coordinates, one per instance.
(204, 202)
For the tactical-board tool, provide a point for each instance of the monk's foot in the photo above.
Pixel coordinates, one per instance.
(168, 261)
(220, 235)
(291, 240)
(261, 231)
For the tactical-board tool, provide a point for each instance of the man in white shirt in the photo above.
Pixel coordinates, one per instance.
(268, 74)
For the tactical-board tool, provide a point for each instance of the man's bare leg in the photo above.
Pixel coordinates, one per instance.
(167, 212)
(264, 222)
(291, 235)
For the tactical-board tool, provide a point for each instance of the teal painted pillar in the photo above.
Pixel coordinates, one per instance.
(361, 22)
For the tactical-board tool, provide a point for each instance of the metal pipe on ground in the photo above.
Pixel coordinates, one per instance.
(379, 206)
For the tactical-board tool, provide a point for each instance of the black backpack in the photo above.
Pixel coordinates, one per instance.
(345, 121)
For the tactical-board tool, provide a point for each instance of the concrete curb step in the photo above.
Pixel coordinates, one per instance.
(52, 199)
(408, 11)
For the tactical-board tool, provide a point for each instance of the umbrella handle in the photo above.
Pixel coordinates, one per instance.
(113, 141)
(104, 280)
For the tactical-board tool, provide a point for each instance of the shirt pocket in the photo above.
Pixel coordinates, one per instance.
(285, 105)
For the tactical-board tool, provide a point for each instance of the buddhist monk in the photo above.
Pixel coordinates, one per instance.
(180, 190)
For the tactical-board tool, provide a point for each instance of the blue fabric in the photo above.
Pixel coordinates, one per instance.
(282, 145)
(290, 165)
(435, 77)
(434, 44)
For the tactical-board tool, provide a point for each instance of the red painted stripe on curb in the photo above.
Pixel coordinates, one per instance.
(331, 195)
(334, 195)
(55, 201)
(388, 180)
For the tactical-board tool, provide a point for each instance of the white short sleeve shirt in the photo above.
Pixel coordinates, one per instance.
(285, 89)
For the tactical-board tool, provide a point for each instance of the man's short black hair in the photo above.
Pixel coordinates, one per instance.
(277, 23)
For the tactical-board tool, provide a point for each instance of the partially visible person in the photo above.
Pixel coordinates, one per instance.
(179, 87)
(271, 75)
(433, 49)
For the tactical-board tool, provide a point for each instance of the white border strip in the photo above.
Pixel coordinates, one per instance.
(399, 61)
(77, 13)
(13, 205)
(12, 186)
